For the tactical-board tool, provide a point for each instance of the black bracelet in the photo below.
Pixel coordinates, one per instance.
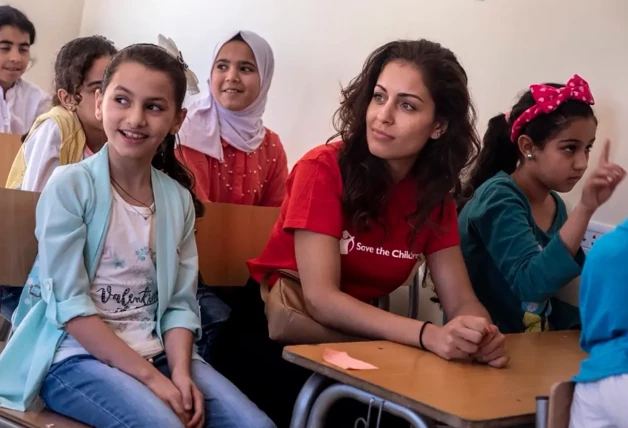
(421, 333)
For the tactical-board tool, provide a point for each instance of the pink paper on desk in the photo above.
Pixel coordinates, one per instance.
(344, 361)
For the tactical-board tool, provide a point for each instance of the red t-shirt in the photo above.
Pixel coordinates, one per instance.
(373, 263)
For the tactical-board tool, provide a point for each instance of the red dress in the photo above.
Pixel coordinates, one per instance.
(257, 178)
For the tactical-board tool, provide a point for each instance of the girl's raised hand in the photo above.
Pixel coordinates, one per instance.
(602, 183)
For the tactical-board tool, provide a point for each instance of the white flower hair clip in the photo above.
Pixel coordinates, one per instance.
(170, 47)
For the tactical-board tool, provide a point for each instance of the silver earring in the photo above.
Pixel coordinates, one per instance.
(529, 156)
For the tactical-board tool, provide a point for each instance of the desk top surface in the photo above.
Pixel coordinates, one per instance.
(459, 394)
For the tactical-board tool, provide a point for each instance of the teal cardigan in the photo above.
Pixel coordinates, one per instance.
(514, 266)
(72, 221)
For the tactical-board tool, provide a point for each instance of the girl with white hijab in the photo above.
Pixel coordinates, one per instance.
(233, 157)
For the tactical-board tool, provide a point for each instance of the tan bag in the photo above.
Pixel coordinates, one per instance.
(288, 319)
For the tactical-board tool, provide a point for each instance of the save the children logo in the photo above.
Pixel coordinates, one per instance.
(348, 243)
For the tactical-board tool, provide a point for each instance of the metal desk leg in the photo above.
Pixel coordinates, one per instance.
(384, 303)
(310, 391)
(413, 298)
(542, 410)
(339, 391)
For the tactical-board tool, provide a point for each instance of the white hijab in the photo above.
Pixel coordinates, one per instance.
(208, 121)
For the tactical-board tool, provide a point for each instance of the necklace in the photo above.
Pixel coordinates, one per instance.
(144, 216)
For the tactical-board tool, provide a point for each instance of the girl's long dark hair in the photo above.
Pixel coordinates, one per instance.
(74, 61)
(367, 178)
(499, 153)
(155, 58)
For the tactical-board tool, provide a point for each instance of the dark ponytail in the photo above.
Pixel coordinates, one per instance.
(75, 60)
(166, 160)
(155, 58)
(499, 153)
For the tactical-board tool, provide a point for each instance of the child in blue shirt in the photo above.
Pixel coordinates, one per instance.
(601, 392)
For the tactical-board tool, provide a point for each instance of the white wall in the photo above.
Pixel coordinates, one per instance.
(56, 22)
(320, 44)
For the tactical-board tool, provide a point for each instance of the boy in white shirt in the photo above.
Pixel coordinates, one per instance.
(21, 102)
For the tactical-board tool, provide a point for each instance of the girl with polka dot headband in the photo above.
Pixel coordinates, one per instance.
(519, 244)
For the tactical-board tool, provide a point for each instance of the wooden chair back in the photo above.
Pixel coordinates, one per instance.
(9, 146)
(560, 400)
(227, 236)
(18, 248)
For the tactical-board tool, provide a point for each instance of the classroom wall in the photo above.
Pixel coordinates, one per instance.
(321, 44)
(56, 22)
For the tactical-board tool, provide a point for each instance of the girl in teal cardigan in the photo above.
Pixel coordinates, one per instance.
(519, 245)
(105, 326)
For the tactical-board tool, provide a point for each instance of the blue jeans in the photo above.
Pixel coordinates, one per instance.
(10, 297)
(214, 314)
(83, 388)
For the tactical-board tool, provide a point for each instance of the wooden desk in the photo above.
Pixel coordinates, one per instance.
(458, 394)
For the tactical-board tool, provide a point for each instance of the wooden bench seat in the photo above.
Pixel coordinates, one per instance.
(38, 417)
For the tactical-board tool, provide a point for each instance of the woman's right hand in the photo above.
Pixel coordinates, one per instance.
(167, 392)
(459, 339)
(602, 183)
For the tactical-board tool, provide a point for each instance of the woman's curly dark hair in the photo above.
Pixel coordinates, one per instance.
(155, 58)
(367, 178)
(74, 61)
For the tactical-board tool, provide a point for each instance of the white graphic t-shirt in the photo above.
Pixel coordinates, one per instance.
(124, 289)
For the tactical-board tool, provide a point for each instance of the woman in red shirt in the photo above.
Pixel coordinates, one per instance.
(357, 215)
(233, 157)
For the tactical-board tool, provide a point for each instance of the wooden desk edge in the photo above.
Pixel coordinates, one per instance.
(341, 376)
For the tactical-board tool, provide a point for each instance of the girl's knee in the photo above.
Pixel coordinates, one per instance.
(157, 419)
(256, 419)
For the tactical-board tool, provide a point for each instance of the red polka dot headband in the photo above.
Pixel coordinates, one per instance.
(548, 98)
